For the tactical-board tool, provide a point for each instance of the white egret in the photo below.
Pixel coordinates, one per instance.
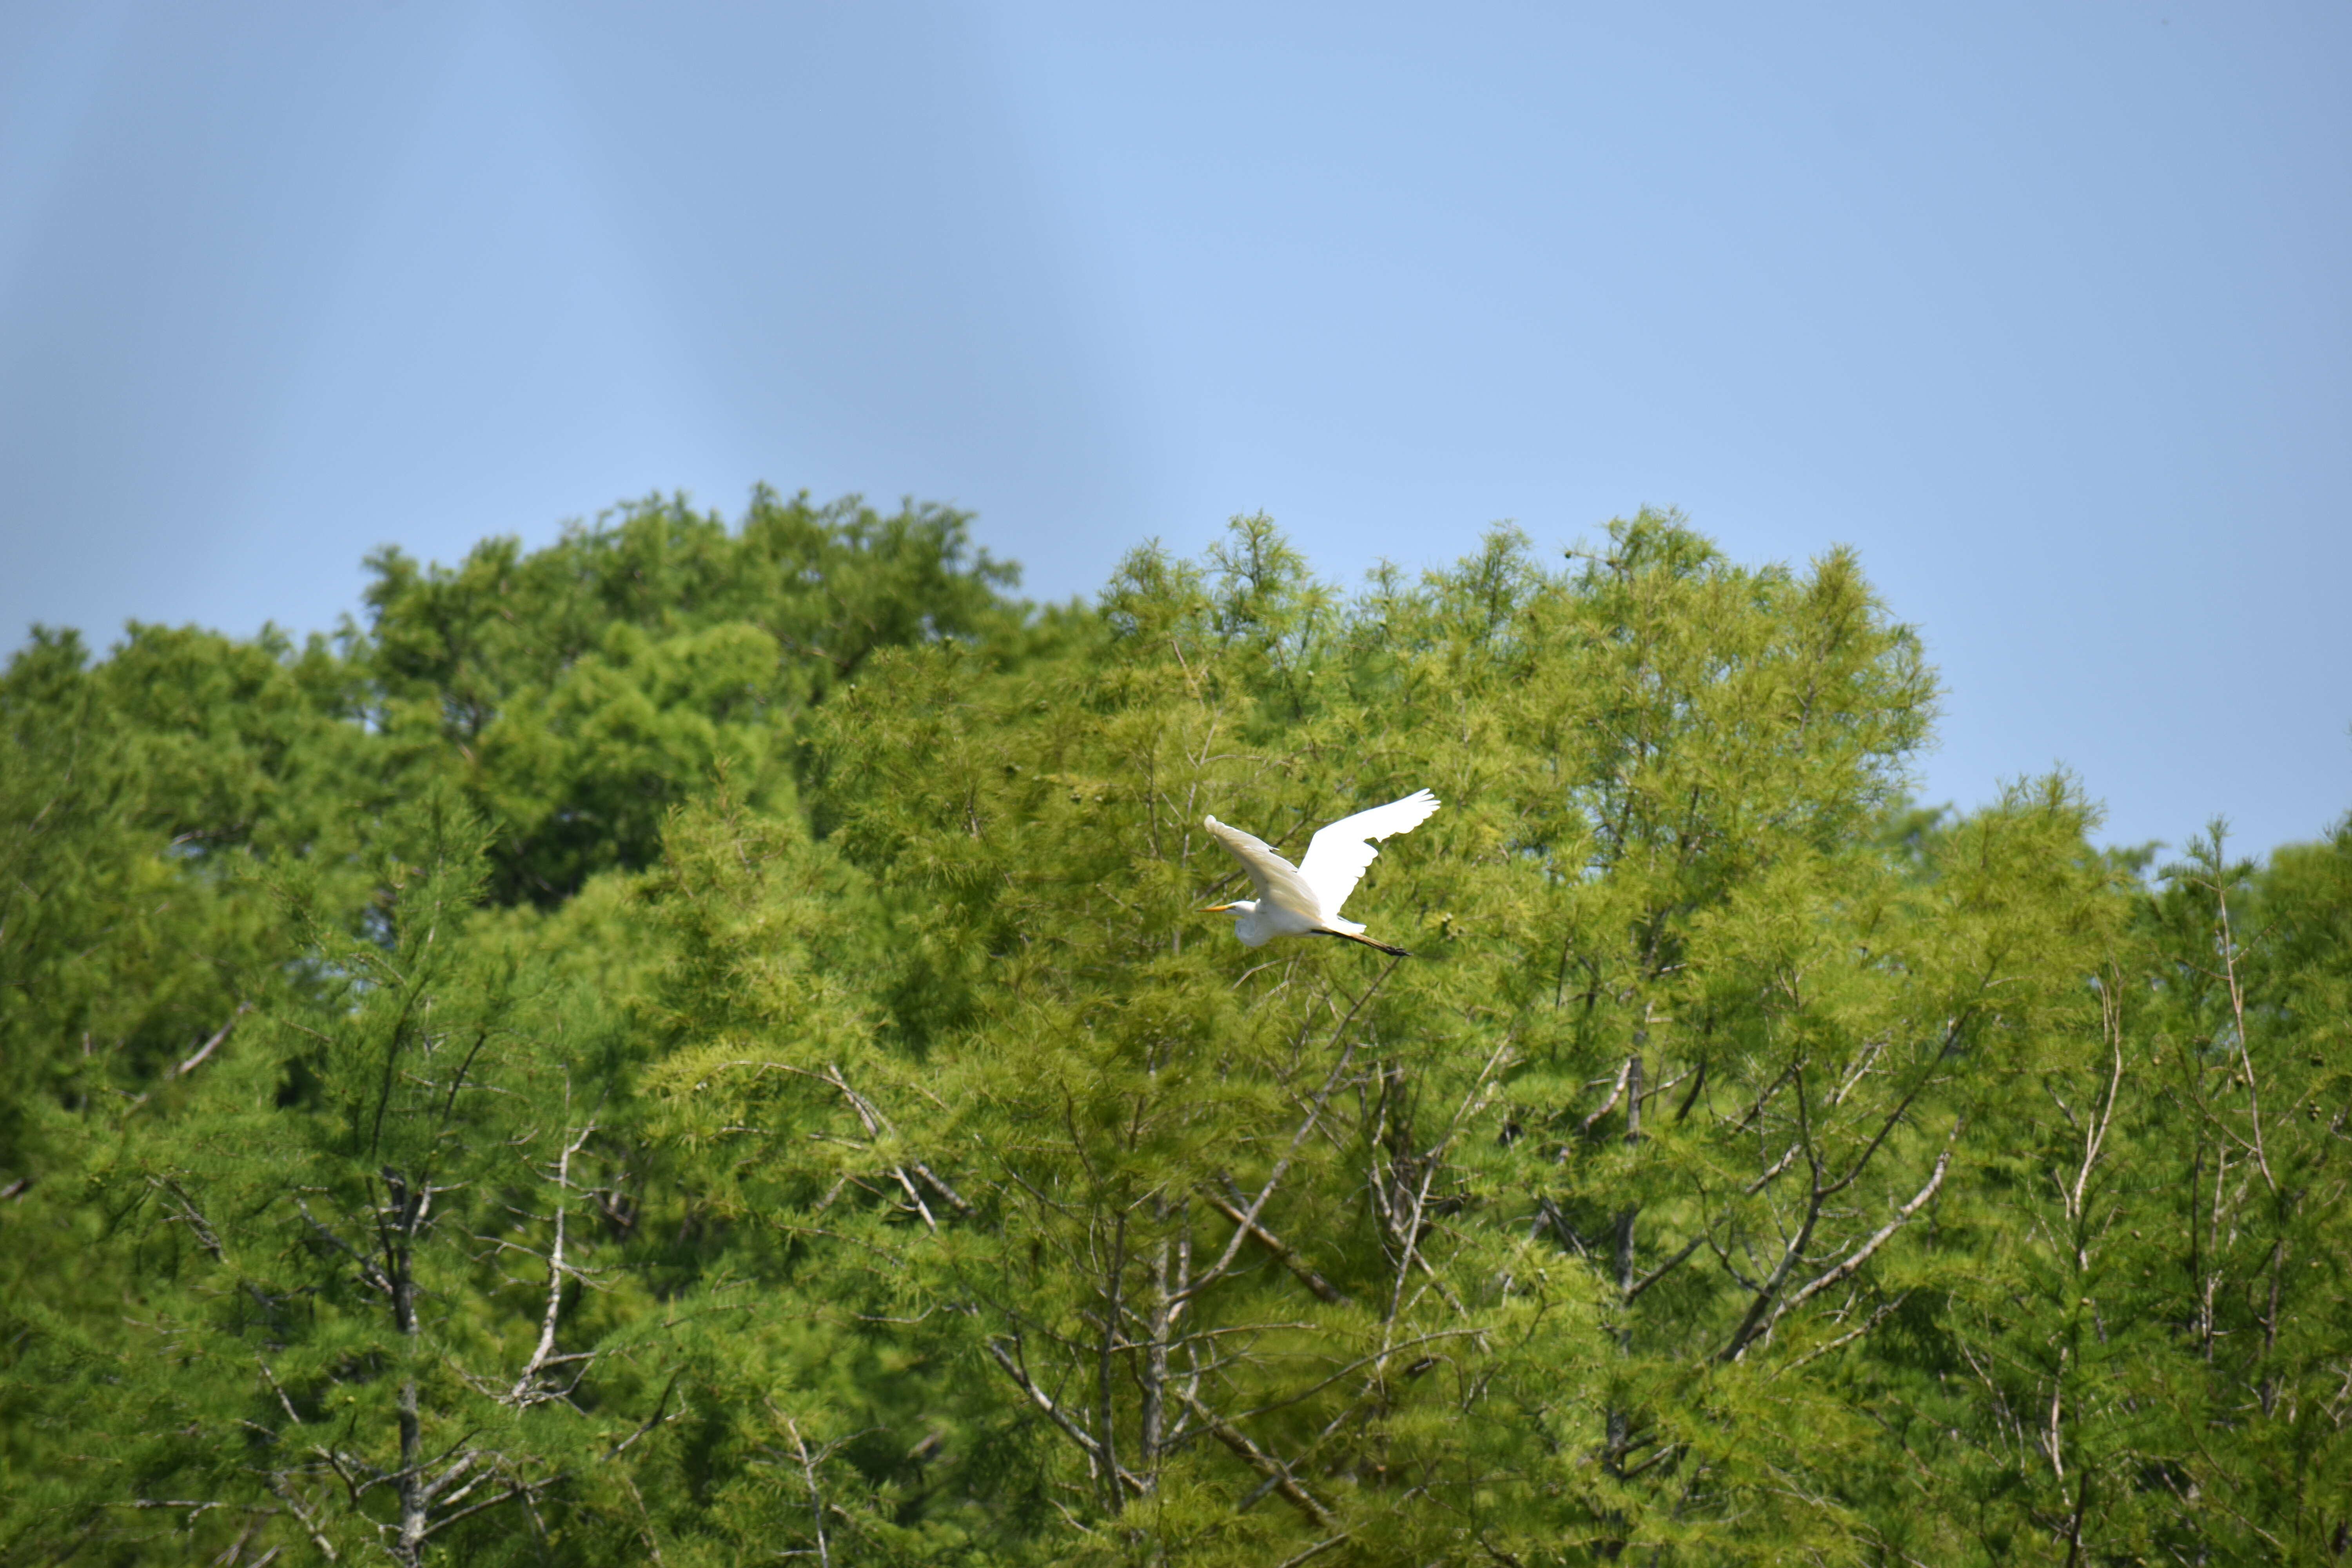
(1304, 899)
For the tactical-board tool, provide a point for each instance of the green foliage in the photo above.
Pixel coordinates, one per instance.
(131, 795)
(358, 1300)
(704, 1044)
(585, 688)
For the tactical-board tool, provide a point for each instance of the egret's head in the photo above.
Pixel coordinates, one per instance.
(1240, 907)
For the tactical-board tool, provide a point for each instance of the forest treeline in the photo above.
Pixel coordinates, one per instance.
(698, 1044)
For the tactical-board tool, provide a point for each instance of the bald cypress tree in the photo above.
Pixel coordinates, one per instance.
(167, 1022)
(1555, 1241)
(360, 1249)
(726, 1057)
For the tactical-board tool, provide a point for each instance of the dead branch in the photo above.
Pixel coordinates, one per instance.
(1663, 1269)
(286, 1493)
(1258, 1460)
(1314, 1552)
(816, 1496)
(1624, 1071)
(1053, 1412)
(1860, 1255)
(1844, 1339)
(1283, 1252)
(194, 1062)
(1245, 1227)
(526, 1391)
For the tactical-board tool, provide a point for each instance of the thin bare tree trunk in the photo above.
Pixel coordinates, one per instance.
(1619, 1422)
(416, 1497)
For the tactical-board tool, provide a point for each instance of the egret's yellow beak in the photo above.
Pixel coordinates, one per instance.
(1216, 908)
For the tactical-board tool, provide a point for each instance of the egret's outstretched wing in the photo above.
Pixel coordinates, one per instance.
(1336, 856)
(1278, 881)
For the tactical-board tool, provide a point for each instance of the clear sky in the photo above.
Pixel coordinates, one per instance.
(2044, 308)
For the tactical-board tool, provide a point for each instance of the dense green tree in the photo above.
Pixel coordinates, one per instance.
(132, 795)
(148, 801)
(703, 1043)
(582, 690)
(1244, 1221)
(2248, 1181)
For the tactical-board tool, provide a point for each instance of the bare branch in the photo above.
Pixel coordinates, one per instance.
(1773, 1170)
(1044, 1402)
(1258, 1460)
(194, 1062)
(2238, 1012)
(520, 1488)
(1247, 1225)
(2110, 1015)
(275, 1388)
(1624, 1071)
(817, 1498)
(371, 1273)
(1860, 1255)
(189, 1216)
(1844, 1339)
(285, 1491)
(1314, 1550)
(656, 1419)
(877, 1126)
(1283, 1252)
(526, 1391)
(1663, 1269)
(1763, 1098)
(1896, 1116)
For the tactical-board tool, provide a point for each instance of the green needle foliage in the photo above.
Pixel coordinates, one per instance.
(704, 1044)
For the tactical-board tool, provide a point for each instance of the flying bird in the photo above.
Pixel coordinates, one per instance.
(1304, 899)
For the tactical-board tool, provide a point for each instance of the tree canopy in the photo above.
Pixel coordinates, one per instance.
(701, 1044)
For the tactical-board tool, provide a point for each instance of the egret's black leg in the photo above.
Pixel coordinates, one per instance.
(1367, 941)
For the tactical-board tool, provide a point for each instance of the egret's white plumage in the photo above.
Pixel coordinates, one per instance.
(1304, 899)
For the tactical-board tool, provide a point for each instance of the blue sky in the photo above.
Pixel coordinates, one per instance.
(2043, 308)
